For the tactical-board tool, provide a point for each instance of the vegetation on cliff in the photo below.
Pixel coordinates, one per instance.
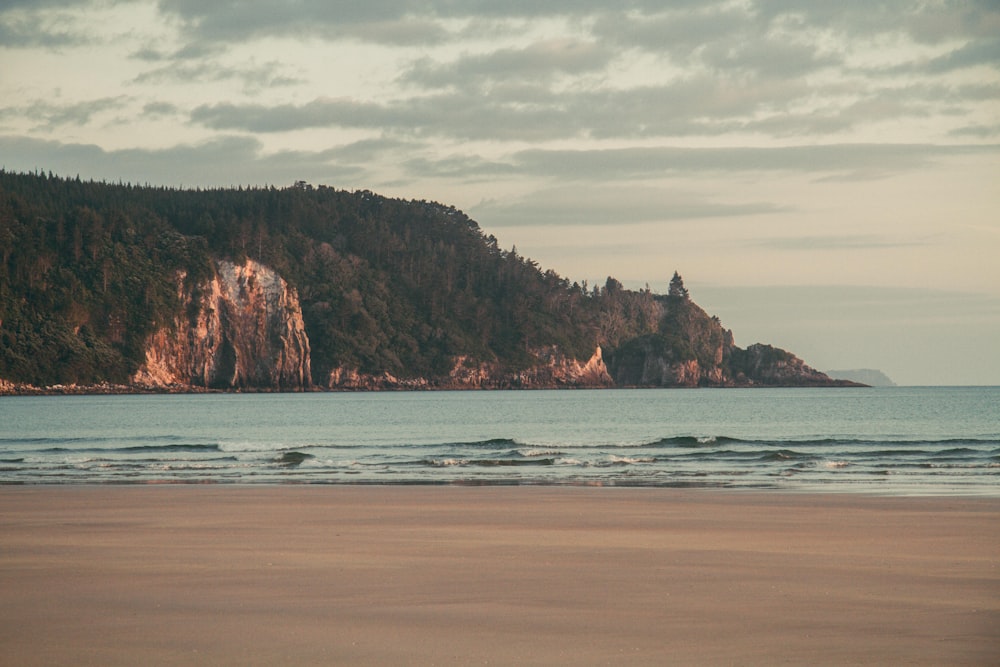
(89, 273)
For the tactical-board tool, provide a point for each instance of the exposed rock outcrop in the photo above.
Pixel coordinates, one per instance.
(241, 329)
(468, 373)
(354, 380)
(709, 359)
(650, 361)
(554, 369)
(765, 365)
(592, 373)
(120, 288)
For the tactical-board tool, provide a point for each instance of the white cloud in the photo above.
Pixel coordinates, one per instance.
(220, 162)
(611, 207)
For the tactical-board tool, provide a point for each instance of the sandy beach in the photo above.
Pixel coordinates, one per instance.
(267, 575)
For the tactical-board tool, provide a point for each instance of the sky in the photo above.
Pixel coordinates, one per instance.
(824, 175)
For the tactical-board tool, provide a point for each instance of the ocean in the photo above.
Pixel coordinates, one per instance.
(899, 440)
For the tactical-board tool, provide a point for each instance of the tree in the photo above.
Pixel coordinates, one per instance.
(677, 288)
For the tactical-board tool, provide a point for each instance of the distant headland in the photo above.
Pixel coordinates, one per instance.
(869, 376)
(118, 288)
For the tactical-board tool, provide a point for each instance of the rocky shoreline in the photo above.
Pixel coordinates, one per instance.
(109, 389)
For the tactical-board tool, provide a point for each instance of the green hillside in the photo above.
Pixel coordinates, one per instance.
(89, 271)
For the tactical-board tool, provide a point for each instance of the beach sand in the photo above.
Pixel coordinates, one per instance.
(363, 575)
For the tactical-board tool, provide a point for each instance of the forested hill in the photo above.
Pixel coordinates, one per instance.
(388, 293)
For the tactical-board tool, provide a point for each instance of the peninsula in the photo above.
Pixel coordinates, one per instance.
(119, 288)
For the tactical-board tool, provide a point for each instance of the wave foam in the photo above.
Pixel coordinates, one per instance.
(530, 453)
(631, 459)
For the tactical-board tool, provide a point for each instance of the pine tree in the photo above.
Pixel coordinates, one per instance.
(677, 288)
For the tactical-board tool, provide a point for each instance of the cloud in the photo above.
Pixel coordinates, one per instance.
(981, 131)
(337, 20)
(985, 52)
(221, 162)
(254, 77)
(708, 69)
(931, 21)
(760, 29)
(695, 106)
(321, 112)
(159, 109)
(368, 150)
(679, 33)
(770, 58)
(700, 105)
(594, 205)
(9, 5)
(379, 21)
(193, 51)
(630, 163)
(846, 242)
(725, 39)
(400, 32)
(539, 61)
(469, 168)
(51, 115)
(459, 115)
(831, 162)
(769, 68)
(22, 25)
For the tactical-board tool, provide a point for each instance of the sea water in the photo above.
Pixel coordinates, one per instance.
(881, 440)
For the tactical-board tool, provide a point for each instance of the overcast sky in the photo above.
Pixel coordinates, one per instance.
(825, 175)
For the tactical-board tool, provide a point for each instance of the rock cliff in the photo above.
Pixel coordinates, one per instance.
(124, 288)
(692, 349)
(354, 380)
(241, 329)
(765, 365)
(561, 370)
(553, 369)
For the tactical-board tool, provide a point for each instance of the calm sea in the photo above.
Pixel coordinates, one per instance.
(886, 440)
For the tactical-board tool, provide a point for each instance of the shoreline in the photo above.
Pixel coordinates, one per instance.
(384, 574)
(821, 490)
(111, 389)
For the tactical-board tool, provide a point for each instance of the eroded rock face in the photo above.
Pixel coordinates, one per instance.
(559, 370)
(345, 378)
(653, 361)
(468, 373)
(554, 369)
(659, 371)
(242, 329)
(766, 365)
(649, 361)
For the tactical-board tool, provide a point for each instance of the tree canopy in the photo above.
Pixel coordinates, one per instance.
(89, 271)
(677, 288)
(385, 285)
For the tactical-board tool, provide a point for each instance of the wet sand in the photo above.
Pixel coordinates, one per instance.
(266, 575)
